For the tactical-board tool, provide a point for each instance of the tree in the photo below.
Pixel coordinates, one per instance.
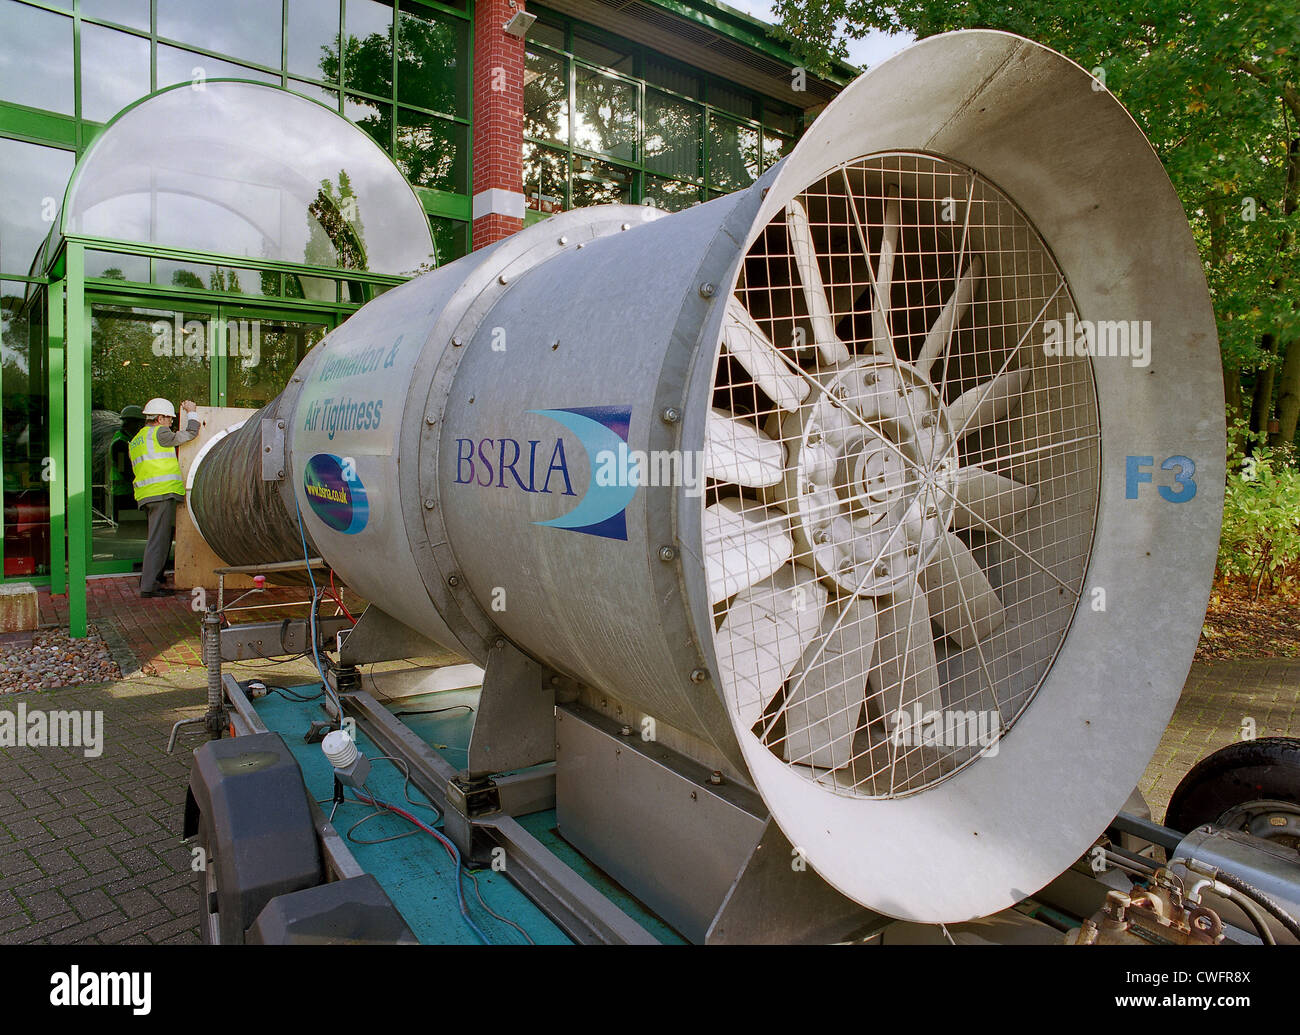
(1217, 90)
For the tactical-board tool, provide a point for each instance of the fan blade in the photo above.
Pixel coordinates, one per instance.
(746, 341)
(742, 545)
(905, 674)
(988, 402)
(765, 633)
(736, 451)
(828, 689)
(986, 500)
(885, 271)
(958, 302)
(830, 347)
(961, 600)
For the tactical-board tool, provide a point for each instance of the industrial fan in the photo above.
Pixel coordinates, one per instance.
(924, 613)
(886, 585)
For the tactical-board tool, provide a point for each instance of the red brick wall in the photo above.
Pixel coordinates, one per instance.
(498, 114)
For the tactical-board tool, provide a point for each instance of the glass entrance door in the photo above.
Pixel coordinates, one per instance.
(214, 354)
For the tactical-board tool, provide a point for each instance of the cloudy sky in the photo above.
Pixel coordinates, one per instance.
(864, 53)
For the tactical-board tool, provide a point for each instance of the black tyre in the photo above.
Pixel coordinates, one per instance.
(1252, 786)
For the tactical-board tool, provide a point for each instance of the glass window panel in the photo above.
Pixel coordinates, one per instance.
(368, 53)
(203, 277)
(375, 117)
(247, 29)
(733, 154)
(185, 66)
(774, 149)
(546, 178)
(317, 289)
(548, 34)
(599, 183)
(135, 354)
(327, 97)
(670, 195)
(431, 62)
(605, 116)
(601, 53)
(133, 13)
(293, 184)
(262, 356)
(546, 97)
(25, 426)
(674, 135)
(670, 77)
(36, 59)
(312, 39)
(114, 71)
(32, 181)
(732, 101)
(432, 151)
(114, 266)
(450, 238)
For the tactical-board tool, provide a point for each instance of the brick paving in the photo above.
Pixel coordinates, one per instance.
(159, 636)
(90, 849)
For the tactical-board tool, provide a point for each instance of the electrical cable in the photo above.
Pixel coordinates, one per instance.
(1250, 891)
(479, 892)
(433, 711)
(315, 602)
(338, 599)
(289, 695)
(1247, 890)
(451, 851)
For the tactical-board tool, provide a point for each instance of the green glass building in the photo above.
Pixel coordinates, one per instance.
(193, 194)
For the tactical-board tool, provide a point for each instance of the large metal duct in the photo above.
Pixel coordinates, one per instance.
(952, 371)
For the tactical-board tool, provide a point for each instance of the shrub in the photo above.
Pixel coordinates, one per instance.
(1261, 512)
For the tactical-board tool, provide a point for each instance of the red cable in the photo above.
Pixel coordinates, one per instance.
(339, 600)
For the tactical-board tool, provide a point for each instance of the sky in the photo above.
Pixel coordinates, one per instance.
(864, 52)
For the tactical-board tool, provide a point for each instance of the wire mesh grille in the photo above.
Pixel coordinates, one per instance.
(903, 482)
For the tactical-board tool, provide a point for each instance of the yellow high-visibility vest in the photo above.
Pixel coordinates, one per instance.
(157, 469)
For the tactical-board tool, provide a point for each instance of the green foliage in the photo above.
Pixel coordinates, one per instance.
(1261, 512)
(1216, 87)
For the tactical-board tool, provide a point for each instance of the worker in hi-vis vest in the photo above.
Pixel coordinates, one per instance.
(158, 485)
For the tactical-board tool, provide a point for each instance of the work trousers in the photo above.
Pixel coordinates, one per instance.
(162, 523)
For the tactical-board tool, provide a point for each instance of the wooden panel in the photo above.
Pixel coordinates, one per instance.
(195, 561)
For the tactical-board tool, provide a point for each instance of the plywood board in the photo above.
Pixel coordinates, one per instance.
(195, 561)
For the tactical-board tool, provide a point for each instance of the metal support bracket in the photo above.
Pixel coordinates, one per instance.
(469, 801)
(273, 458)
(515, 724)
(778, 899)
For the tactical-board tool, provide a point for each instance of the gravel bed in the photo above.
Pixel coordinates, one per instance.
(56, 659)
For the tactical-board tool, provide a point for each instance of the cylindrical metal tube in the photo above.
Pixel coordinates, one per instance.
(449, 449)
(241, 516)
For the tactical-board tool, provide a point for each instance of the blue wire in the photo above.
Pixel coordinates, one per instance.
(306, 556)
(460, 890)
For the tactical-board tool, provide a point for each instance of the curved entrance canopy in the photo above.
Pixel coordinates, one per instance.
(241, 168)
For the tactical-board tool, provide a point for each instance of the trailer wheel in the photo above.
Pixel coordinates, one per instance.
(1252, 786)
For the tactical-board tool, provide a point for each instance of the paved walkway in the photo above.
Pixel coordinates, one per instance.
(159, 636)
(90, 849)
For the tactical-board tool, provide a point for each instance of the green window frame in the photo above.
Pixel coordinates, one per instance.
(561, 173)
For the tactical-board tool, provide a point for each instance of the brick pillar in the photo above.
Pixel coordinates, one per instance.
(498, 124)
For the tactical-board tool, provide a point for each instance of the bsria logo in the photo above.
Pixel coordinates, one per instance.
(95, 988)
(602, 431)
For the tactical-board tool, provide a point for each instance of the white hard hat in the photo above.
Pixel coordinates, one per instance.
(159, 408)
